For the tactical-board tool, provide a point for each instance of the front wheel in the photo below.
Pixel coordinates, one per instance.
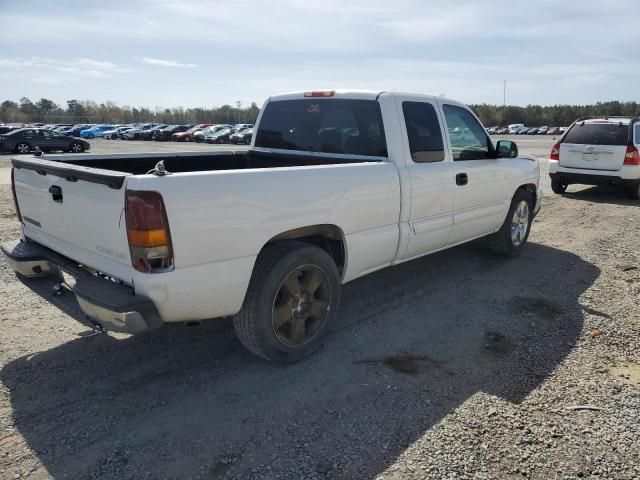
(76, 147)
(514, 233)
(291, 302)
(559, 186)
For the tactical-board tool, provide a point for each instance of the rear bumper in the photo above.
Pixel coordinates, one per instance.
(628, 175)
(113, 306)
(588, 179)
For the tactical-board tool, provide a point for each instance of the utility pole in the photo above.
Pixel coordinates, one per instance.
(504, 102)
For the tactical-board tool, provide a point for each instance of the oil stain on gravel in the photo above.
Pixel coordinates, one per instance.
(409, 364)
(497, 343)
(539, 307)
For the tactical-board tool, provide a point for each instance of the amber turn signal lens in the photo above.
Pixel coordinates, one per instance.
(148, 238)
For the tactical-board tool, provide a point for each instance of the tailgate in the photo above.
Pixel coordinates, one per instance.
(595, 145)
(592, 157)
(75, 211)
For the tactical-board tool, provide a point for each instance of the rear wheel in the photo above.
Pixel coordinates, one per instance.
(559, 186)
(76, 147)
(514, 233)
(291, 302)
(23, 147)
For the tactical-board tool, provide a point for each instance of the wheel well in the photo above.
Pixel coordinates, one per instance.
(531, 188)
(327, 237)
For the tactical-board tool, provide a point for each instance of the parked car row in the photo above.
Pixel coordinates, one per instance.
(240, 133)
(520, 129)
(201, 132)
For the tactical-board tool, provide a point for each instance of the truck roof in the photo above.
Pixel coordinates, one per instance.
(353, 94)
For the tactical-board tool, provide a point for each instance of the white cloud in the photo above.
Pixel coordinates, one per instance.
(58, 71)
(167, 63)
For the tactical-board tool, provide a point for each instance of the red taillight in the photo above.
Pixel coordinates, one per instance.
(13, 192)
(320, 93)
(555, 152)
(632, 157)
(148, 231)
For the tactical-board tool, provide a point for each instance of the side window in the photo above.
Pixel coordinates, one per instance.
(637, 134)
(469, 141)
(48, 134)
(423, 130)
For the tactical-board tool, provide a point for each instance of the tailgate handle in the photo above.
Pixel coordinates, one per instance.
(56, 193)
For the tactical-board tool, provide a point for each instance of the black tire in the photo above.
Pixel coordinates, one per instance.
(503, 242)
(559, 186)
(633, 192)
(23, 147)
(76, 147)
(256, 324)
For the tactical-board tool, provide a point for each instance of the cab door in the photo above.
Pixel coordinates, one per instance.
(483, 190)
(430, 176)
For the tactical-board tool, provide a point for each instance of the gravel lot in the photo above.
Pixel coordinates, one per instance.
(458, 365)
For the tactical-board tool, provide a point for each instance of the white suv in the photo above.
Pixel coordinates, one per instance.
(596, 151)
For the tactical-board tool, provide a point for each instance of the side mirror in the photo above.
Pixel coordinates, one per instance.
(506, 149)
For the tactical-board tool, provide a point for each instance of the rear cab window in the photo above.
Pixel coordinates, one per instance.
(598, 133)
(423, 132)
(334, 125)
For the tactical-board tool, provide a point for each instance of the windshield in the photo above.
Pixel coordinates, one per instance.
(323, 125)
(598, 134)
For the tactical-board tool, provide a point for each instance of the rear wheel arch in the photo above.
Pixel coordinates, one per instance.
(328, 237)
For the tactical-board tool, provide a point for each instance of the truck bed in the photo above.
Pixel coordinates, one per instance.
(177, 162)
(222, 208)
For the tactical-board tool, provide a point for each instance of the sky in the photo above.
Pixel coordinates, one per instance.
(197, 53)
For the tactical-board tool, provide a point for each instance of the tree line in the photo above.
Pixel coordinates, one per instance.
(552, 116)
(87, 111)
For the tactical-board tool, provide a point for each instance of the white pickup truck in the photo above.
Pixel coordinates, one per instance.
(337, 184)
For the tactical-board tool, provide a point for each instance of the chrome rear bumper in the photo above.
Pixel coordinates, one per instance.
(113, 306)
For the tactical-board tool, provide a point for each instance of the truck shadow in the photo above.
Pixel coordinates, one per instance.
(413, 343)
(602, 194)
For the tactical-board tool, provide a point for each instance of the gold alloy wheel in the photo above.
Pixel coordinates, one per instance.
(301, 305)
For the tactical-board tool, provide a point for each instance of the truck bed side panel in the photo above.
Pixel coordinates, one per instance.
(221, 220)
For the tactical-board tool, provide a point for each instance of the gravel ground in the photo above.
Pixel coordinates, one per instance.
(457, 365)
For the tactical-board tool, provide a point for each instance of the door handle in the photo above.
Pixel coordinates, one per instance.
(462, 179)
(56, 193)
